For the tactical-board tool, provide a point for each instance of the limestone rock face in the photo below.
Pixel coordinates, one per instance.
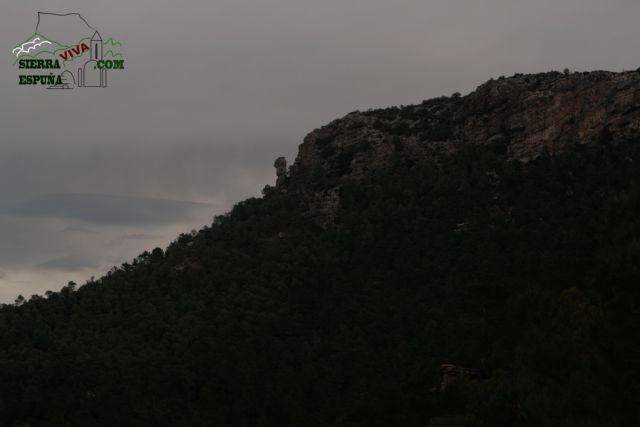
(549, 114)
(526, 116)
(532, 114)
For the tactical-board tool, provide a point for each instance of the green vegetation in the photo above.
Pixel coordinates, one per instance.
(528, 271)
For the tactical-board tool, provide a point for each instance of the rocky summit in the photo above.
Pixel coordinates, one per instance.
(530, 114)
(527, 116)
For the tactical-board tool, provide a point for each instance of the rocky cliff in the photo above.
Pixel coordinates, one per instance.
(530, 114)
(525, 116)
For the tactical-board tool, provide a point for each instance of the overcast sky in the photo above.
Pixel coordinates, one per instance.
(214, 91)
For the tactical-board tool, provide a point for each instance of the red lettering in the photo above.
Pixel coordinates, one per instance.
(78, 50)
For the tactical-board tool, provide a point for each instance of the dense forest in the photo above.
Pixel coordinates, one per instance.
(524, 273)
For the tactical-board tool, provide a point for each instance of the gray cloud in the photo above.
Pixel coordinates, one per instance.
(108, 209)
(194, 171)
(127, 239)
(139, 236)
(213, 92)
(78, 229)
(68, 264)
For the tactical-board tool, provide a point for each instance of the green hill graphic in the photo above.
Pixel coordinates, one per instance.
(62, 48)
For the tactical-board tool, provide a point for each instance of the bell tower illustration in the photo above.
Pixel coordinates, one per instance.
(90, 75)
(96, 47)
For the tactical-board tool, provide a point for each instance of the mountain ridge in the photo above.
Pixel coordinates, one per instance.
(525, 116)
(412, 269)
(517, 106)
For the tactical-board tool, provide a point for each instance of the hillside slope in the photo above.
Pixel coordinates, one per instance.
(468, 261)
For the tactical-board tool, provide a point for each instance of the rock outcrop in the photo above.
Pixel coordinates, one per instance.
(525, 116)
(530, 114)
(450, 374)
(281, 170)
(548, 114)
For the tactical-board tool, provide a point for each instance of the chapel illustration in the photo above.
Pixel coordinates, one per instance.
(90, 75)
